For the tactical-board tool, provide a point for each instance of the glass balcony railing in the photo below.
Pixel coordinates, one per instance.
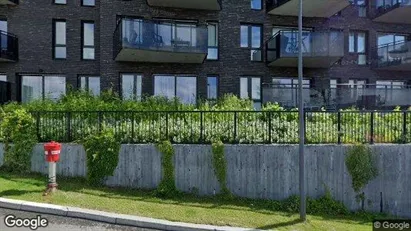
(162, 37)
(284, 44)
(9, 2)
(312, 8)
(395, 55)
(8, 47)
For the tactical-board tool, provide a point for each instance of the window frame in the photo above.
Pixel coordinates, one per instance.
(83, 46)
(135, 76)
(217, 39)
(87, 87)
(250, 89)
(43, 85)
(82, 4)
(176, 76)
(365, 53)
(250, 41)
(360, 7)
(54, 38)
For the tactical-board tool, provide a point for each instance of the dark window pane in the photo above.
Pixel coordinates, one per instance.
(212, 87)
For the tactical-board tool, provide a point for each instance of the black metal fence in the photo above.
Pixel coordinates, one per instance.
(229, 126)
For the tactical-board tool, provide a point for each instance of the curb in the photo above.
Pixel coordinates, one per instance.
(111, 218)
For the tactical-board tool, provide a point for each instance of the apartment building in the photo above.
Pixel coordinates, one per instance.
(356, 52)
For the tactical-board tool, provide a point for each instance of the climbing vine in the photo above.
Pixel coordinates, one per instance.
(220, 166)
(167, 185)
(102, 150)
(19, 137)
(362, 168)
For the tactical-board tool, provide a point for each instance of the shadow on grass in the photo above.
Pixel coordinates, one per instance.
(17, 192)
(281, 224)
(269, 207)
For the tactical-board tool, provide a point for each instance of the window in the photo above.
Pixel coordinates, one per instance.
(384, 39)
(91, 84)
(390, 84)
(88, 2)
(212, 41)
(250, 88)
(285, 91)
(256, 4)
(182, 87)
(357, 44)
(88, 40)
(212, 87)
(251, 38)
(362, 7)
(356, 88)
(3, 77)
(175, 33)
(41, 87)
(59, 39)
(131, 86)
(60, 2)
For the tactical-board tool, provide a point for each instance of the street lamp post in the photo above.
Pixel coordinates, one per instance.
(301, 113)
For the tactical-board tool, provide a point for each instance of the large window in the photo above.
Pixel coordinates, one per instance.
(256, 4)
(212, 41)
(88, 40)
(176, 33)
(362, 7)
(357, 44)
(59, 39)
(212, 87)
(88, 2)
(41, 87)
(250, 88)
(182, 87)
(131, 86)
(384, 39)
(90, 83)
(251, 38)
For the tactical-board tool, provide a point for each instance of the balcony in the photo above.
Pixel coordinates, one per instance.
(320, 49)
(187, 4)
(394, 11)
(394, 56)
(9, 2)
(9, 47)
(137, 40)
(312, 8)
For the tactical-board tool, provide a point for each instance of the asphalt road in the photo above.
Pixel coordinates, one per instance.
(57, 223)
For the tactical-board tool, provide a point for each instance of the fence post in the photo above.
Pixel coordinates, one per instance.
(339, 127)
(372, 128)
(132, 127)
(201, 127)
(166, 125)
(235, 126)
(68, 115)
(404, 127)
(99, 121)
(38, 125)
(305, 127)
(269, 127)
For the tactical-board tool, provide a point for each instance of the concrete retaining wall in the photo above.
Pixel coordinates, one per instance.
(255, 171)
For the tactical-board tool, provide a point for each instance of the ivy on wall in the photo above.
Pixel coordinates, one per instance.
(362, 168)
(167, 185)
(19, 137)
(220, 166)
(102, 150)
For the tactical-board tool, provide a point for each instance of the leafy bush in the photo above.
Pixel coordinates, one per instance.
(167, 185)
(361, 166)
(220, 166)
(102, 150)
(18, 133)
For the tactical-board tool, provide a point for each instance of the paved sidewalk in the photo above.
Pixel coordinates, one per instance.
(110, 218)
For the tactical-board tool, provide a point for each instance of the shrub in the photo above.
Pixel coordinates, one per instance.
(18, 133)
(167, 187)
(102, 150)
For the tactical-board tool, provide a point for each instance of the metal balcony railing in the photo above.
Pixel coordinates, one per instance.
(393, 54)
(8, 47)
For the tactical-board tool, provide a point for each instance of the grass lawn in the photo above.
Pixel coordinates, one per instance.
(204, 210)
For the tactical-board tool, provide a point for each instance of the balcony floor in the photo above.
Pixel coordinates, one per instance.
(398, 15)
(312, 8)
(136, 55)
(308, 62)
(189, 4)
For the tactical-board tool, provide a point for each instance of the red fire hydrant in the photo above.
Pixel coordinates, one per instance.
(52, 151)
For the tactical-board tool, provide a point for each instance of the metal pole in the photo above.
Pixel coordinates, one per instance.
(52, 184)
(301, 113)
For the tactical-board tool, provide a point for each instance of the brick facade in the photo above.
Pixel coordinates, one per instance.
(31, 21)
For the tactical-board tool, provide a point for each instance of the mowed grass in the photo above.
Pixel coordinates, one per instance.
(186, 208)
